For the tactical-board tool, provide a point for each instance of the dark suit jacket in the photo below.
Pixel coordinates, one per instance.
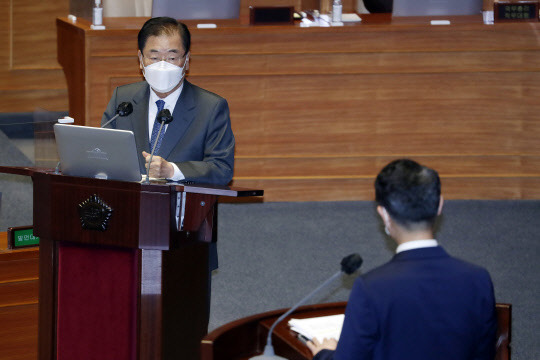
(199, 140)
(422, 305)
(379, 6)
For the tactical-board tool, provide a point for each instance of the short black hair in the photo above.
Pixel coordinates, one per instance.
(164, 25)
(409, 192)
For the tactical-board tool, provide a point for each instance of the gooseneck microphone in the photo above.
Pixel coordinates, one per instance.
(164, 117)
(124, 109)
(349, 264)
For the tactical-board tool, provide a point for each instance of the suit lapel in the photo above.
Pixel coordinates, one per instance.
(183, 116)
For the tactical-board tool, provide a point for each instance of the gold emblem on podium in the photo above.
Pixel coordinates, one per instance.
(94, 213)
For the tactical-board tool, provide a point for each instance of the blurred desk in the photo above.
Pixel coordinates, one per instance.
(318, 111)
(246, 337)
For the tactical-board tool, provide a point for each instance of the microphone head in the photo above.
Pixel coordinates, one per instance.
(124, 109)
(164, 116)
(351, 263)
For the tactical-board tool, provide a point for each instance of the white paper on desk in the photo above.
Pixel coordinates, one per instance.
(319, 327)
(350, 17)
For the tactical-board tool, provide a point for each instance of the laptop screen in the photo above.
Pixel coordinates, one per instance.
(97, 153)
(436, 7)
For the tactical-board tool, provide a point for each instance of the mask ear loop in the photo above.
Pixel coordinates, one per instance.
(141, 64)
(185, 66)
(386, 222)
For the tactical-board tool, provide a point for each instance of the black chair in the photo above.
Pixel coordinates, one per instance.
(378, 6)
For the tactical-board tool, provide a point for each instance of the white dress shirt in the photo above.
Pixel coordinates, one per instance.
(170, 102)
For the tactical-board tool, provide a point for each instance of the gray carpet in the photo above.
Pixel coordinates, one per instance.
(16, 209)
(273, 254)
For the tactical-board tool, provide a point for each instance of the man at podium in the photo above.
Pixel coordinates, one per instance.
(198, 144)
(423, 304)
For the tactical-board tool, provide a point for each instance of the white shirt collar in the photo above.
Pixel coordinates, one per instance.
(170, 100)
(416, 244)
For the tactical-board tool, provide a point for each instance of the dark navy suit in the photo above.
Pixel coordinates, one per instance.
(199, 140)
(422, 305)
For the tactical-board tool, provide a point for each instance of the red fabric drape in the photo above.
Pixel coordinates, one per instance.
(97, 303)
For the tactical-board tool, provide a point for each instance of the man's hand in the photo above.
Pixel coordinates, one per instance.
(315, 346)
(159, 168)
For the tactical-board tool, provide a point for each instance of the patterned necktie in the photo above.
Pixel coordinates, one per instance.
(160, 105)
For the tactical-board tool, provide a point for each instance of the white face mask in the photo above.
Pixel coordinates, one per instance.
(163, 76)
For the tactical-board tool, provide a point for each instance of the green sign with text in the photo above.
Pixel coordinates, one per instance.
(24, 237)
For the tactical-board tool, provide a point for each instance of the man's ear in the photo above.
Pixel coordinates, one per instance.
(441, 201)
(383, 214)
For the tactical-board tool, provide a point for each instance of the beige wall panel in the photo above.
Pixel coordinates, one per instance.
(312, 190)
(376, 112)
(416, 144)
(371, 38)
(356, 166)
(30, 76)
(30, 100)
(485, 188)
(32, 79)
(34, 32)
(372, 125)
(122, 66)
(5, 43)
(441, 87)
(317, 112)
(116, 46)
(362, 189)
(19, 335)
(530, 188)
(362, 63)
(398, 117)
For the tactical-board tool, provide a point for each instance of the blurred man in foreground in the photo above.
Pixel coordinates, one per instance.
(423, 304)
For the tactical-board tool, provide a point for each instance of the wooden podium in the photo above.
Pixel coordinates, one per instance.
(124, 268)
(244, 338)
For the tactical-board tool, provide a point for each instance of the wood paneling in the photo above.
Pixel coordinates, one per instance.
(17, 293)
(18, 302)
(19, 332)
(318, 111)
(318, 104)
(348, 189)
(362, 166)
(19, 269)
(30, 76)
(34, 33)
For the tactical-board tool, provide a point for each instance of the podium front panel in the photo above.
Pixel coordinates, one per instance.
(97, 303)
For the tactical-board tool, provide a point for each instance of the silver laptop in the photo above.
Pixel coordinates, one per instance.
(97, 153)
(196, 9)
(436, 7)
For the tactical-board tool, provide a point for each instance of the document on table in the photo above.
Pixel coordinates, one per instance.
(350, 17)
(319, 327)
